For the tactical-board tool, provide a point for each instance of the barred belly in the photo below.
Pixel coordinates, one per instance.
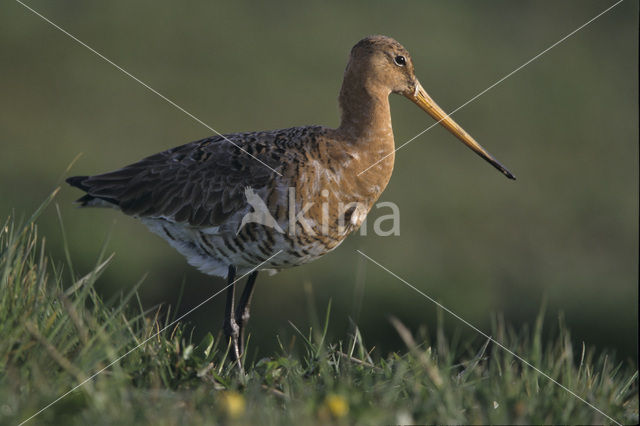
(212, 250)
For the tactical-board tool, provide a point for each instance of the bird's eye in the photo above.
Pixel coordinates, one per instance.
(400, 61)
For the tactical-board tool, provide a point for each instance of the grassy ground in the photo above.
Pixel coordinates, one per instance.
(56, 332)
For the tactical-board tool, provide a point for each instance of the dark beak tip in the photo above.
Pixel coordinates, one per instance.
(501, 168)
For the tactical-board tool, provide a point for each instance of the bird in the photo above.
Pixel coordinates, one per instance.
(315, 184)
(260, 214)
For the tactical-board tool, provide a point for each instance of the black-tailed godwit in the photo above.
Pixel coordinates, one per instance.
(300, 190)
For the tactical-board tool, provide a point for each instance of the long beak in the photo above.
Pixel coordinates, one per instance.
(424, 101)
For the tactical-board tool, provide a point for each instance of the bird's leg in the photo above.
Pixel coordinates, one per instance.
(230, 327)
(242, 310)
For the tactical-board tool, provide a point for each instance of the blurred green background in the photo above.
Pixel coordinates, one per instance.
(566, 125)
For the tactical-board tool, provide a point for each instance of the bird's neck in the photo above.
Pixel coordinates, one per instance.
(366, 134)
(365, 113)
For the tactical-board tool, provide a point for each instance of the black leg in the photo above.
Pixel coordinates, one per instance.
(242, 311)
(230, 327)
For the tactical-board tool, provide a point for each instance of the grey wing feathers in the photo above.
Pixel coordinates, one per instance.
(201, 183)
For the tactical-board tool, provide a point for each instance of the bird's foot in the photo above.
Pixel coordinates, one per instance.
(232, 333)
(242, 318)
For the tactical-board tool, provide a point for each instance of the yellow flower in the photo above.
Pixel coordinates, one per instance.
(337, 405)
(233, 403)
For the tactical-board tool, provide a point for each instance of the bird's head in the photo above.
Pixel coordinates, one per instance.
(385, 65)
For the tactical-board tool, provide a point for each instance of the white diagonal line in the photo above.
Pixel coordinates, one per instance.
(496, 83)
(146, 85)
(492, 339)
(146, 340)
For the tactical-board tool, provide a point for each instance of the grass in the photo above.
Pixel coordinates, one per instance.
(57, 332)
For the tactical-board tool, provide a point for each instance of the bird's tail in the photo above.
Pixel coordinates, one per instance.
(77, 181)
(88, 200)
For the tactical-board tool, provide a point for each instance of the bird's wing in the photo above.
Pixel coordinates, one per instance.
(201, 183)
